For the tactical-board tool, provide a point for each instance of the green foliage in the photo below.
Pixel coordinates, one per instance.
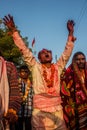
(8, 49)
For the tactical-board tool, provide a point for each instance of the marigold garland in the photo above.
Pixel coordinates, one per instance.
(49, 81)
(26, 90)
(13, 112)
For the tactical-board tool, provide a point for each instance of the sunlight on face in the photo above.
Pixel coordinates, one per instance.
(45, 56)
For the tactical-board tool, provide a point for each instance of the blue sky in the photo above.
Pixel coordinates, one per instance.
(46, 21)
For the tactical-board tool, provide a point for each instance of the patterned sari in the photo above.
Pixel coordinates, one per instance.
(74, 97)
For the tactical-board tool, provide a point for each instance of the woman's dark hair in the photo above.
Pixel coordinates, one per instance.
(76, 54)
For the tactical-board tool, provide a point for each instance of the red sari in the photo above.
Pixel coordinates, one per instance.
(74, 97)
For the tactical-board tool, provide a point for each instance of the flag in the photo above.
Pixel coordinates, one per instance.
(33, 42)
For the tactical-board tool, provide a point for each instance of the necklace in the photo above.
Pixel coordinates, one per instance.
(81, 77)
(49, 81)
(24, 97)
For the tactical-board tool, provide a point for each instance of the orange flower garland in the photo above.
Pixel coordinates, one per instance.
(11, 111)
(49, 81)
(26, 91)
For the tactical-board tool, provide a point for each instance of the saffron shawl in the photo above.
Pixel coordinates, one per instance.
(74, 99)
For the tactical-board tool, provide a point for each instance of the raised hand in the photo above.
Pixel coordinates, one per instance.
(70, 27)
(9, 22)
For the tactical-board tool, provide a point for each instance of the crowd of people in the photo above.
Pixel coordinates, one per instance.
(55, 98)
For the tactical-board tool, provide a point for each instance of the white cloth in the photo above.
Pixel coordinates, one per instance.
(4, 90)
(44, 98)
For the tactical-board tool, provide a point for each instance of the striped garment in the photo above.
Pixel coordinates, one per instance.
(14, 96)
